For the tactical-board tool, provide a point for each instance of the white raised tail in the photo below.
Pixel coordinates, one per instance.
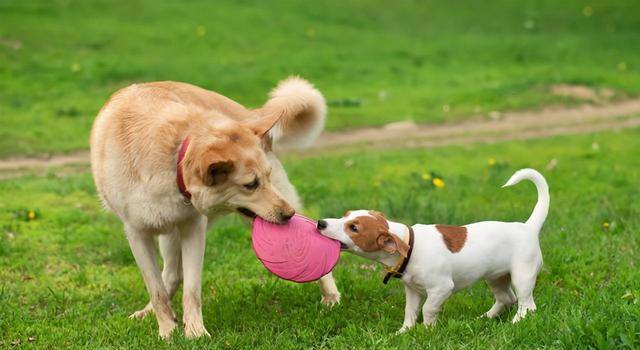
(541, 209)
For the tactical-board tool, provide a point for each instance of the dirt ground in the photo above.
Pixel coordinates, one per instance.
(508, 126)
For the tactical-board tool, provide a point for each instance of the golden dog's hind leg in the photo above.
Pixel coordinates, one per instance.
(171, 252)
(143, 249)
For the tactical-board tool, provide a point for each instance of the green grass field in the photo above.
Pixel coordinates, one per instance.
(377, 62)
(68, 280)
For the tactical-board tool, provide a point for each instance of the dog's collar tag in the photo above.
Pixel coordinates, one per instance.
(179, 176)
(398, 270)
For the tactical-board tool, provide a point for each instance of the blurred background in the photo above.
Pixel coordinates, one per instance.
(376, 62)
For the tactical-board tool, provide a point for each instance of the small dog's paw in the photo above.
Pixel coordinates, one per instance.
(402, 330)
(195, 330)
(330, 300)
(166, 328)
(429, 321)
(488, 314)
(140, 314)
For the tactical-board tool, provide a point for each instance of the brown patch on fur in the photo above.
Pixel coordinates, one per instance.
(454, 237)
(347, 213)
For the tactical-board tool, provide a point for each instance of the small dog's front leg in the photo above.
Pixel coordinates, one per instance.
(330, 293)
(435, 298)
(412, 305)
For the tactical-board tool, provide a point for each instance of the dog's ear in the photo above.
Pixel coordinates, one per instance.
(391, 244)
(215, 171)
(261, 126)
(218, 172)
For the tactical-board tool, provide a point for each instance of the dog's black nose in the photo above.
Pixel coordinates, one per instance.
(287, 215)
(322, 224)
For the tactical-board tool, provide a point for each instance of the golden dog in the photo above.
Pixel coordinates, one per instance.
(168, 158)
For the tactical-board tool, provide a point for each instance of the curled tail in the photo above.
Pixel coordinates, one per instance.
(541, 209)
(301, 110)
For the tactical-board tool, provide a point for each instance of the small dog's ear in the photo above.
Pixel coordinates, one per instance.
(391, 244)
(218, 172)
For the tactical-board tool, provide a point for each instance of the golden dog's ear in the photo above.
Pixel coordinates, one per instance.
(391, 244)
(215, 169)
(260, 126)
(218, 172)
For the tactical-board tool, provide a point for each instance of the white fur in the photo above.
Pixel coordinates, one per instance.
(504, 254)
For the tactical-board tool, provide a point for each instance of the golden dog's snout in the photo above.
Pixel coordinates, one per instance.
(284, 213)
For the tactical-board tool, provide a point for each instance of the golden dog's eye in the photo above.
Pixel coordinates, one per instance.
(253, 185)
(353, 228)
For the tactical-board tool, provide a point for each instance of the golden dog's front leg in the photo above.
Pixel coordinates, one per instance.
(330, 293)
(193, 242)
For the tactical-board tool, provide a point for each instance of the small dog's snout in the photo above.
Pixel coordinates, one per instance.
(322, 224)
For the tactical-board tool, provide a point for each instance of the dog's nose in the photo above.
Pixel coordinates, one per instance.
(322, 224)
(286, 215)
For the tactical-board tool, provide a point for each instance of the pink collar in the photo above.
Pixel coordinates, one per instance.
(179, 176)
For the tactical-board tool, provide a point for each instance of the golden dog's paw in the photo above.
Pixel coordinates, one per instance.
(195, 330)
(140, 314)
(166, 328)
(330, 300)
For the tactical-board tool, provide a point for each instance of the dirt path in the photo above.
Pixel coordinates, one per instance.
(508, 126)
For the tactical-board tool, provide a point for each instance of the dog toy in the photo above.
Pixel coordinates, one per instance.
(295, 251)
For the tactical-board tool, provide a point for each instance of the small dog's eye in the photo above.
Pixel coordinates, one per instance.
(253, 185)
(353, 228)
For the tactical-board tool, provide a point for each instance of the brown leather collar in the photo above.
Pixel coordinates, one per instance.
(403, 262)
(179, 177)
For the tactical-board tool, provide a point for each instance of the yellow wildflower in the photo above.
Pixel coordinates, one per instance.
(605, 225)
(311, 32)
(31, 215)
(426, 176)
(201, 31)
(491, 161)
(438, 182)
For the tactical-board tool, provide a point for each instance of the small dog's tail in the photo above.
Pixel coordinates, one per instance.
(302, 110)
(542, 206)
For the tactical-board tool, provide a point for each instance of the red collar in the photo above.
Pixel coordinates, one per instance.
(179, 176)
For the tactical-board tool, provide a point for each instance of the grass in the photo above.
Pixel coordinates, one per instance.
(67, 277)
(376, 62)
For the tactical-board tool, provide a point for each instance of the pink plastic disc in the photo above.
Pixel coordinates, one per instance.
(295, 251)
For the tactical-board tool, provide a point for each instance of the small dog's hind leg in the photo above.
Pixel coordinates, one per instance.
(413, 299)
(170, 251)
(501, 288)
(435, 298)
(524, 280)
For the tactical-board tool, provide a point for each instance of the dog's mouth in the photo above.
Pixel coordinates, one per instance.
(343, 246)
(246, 212)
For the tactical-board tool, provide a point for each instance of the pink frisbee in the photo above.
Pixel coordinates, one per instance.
(295, 251)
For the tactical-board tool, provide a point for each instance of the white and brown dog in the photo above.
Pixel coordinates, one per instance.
(168, 158)
(438, 260)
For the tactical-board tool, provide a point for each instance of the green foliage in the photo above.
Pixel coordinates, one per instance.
(376, 62)
(67, 278)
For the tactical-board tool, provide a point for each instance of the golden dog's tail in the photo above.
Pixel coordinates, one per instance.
(302, 110)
